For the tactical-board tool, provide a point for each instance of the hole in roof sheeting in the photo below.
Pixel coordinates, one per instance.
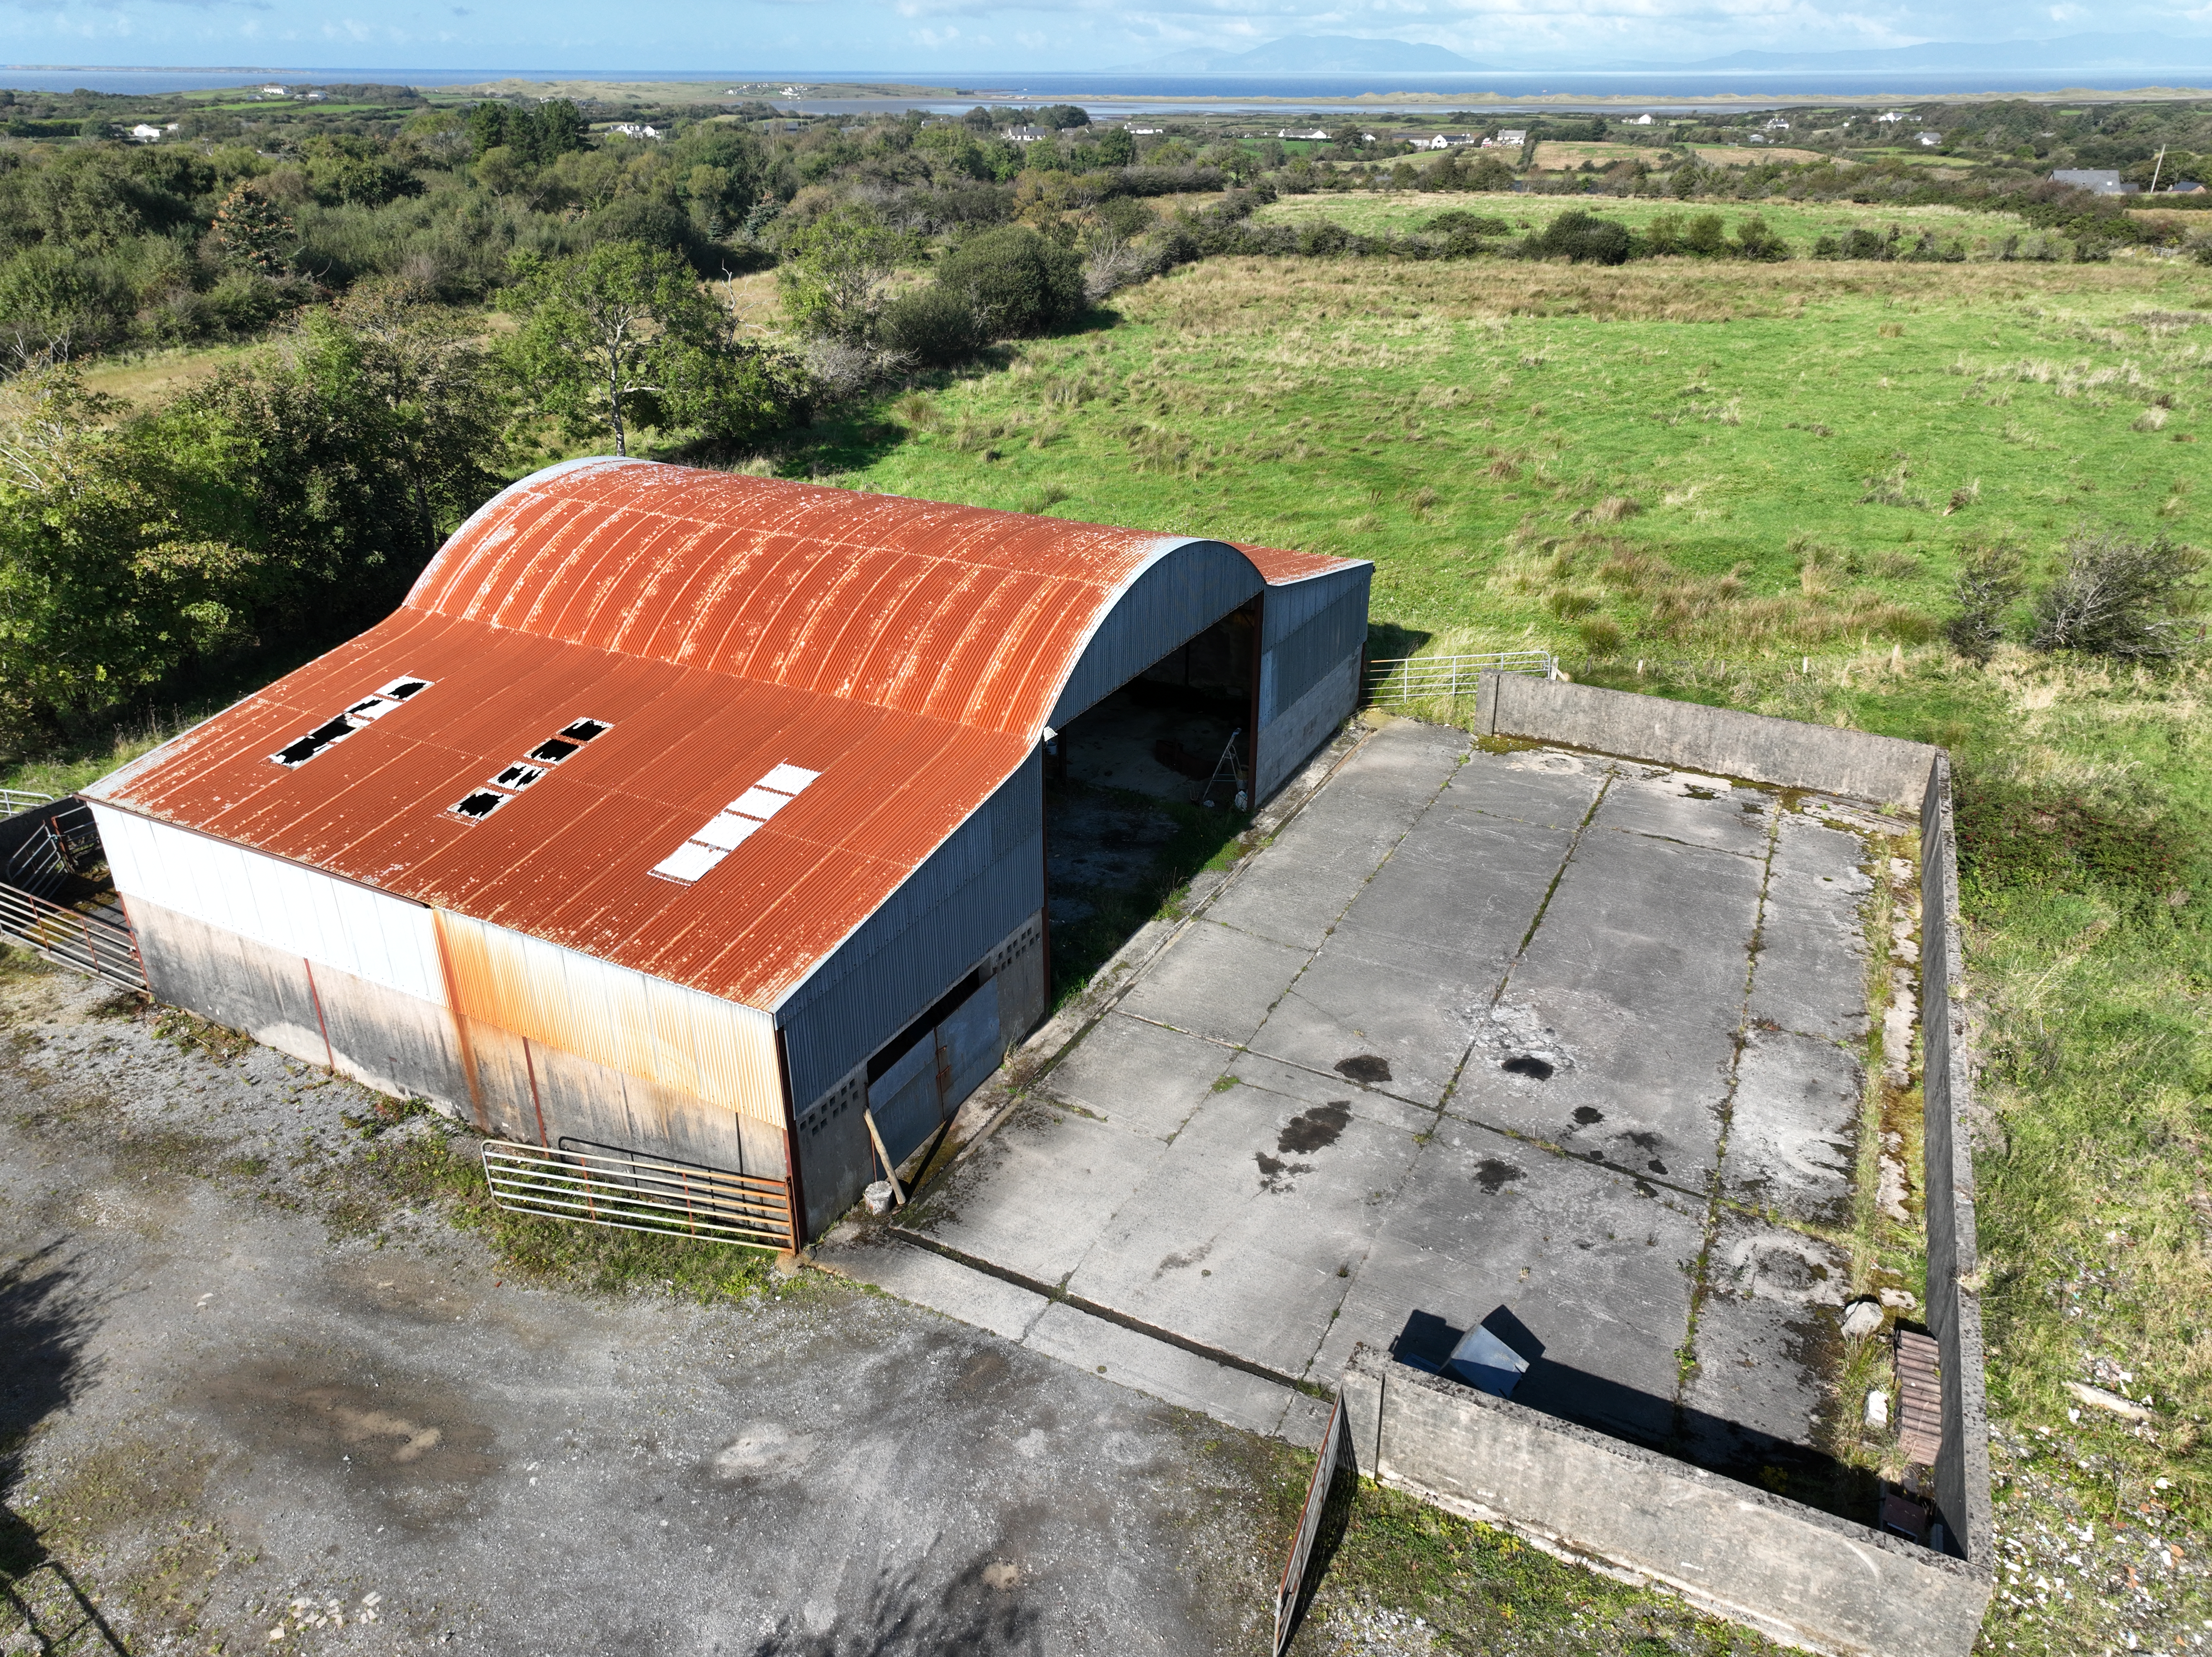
(300, 752)
(404, 687)
(584, 729)
(518, 776)
(726, 832)
(479, 804)
(553, 750)
(789, 779)
(687, 862)
(369, 707)
(760, 803)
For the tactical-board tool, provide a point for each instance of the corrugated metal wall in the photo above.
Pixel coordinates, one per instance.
(715, 1050)
(1185, 592)
(295, 911)
(1312, 634)
(977, 888)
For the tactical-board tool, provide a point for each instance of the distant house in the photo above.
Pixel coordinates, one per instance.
(1316, 133)
(1756, 138)
(633, 129)
(1890, 117)
(1028, 135)
(272, 92)
(1511, 137)
(1448, 141)
(2186, 187)
(1927, 140)
(144, 134)
(2098, 181)
(1778, 125)
(1136, 131)
(1637, 121)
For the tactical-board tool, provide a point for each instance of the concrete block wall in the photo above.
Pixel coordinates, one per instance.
(1798, 1574)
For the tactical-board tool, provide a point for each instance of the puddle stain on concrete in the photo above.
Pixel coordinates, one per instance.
(1587, 1116)
(1528, 1064)
(1314, 1129)
(1493, 1177)
(1367, 1069)
(1275, 1173)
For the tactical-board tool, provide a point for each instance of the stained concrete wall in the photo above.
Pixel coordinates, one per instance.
(1719, 740)
(1800, 1574)
(1955, 1312)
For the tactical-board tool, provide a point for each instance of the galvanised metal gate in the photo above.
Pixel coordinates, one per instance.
(635, 1193)
(1429, 678)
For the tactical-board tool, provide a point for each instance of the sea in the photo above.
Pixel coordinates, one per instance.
(1135, 93)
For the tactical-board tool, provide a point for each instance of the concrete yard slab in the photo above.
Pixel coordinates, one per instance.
(1811, 974)
(1639, 969)
(1772, 1303)
(1596, 1265)
(927, 1278)
(1541, 787)
(1139, 1076)
(1485, 1020)
(1215, 982)
(1793, 1127)
(1310, 1087)
(1245, 1234)
(1678, 806)
(1404, 1030)
(1160, 1370)
(1038, 1192)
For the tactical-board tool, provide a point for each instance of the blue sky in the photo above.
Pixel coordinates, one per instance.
(943, 37)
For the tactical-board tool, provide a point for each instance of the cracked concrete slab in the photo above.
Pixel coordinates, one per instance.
(1793, 1127)
(1139, 1076)
(1545, 788)
(1215, 982)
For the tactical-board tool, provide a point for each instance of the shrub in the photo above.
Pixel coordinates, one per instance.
(1584, 239)
(1990, 585)
(1014, 281)
(2117, 596)
(931, 324)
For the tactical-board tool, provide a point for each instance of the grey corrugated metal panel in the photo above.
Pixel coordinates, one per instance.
(1184, 593)
(293, 909)
(1016, 809)
(907, 955)
(1291, 606)
(1298, 663)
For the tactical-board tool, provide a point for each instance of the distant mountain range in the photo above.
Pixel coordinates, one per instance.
(1346, 54)
(1341, 54)
(2098, 52)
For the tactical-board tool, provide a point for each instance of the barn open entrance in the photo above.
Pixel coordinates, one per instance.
(1143, 787)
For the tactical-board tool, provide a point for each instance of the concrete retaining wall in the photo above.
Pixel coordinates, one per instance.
(1798, 1574)
(1719, 740)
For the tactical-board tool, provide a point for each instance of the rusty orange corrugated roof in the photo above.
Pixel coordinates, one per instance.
(908, 650)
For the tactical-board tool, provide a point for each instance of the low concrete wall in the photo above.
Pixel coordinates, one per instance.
(1799, 1575)
(1719, 740)
(1955, 1312)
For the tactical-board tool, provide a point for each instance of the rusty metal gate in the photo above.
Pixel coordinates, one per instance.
(55, 899)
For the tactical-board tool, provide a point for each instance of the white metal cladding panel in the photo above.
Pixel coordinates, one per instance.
(630, 1021)
(1294, 603)
(298, 911)
(1184, 593)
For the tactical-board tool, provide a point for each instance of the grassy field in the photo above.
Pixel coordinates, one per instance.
(1799, 223)
(1754, 483)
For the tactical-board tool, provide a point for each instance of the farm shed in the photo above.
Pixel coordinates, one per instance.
(677, 817)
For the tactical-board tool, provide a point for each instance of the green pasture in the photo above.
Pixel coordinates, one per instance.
(1665, 458)
(1799, 223)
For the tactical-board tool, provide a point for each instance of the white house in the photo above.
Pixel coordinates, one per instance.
(1316, 133)
(633, 129)
(1778, 125)
(272, 92)
(1028, 135)
(1511, 137)
(1890, 117)
(144, 134)
(1929, 140)
(1637, 121)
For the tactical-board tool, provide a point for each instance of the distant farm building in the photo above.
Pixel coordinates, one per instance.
(2097, 180)
(1511, 138)
(695, 822)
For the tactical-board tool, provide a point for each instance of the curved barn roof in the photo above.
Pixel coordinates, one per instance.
(881, 664)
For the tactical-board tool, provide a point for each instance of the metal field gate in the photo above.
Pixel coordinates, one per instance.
(604, 1185)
